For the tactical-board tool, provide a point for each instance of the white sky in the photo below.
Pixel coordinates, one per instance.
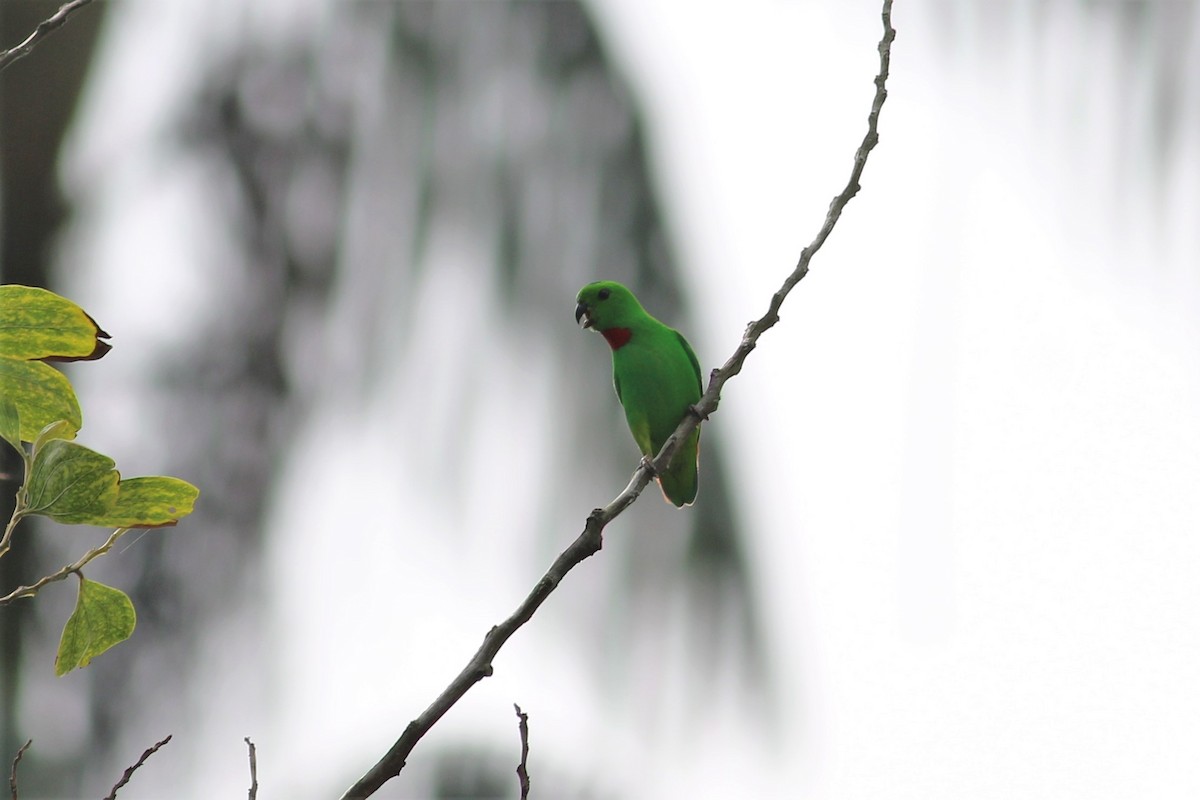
(971, 447)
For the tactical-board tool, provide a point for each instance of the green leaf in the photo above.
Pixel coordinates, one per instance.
(55, 430)
(71, 484)
(103, 617)
(10, 424)
(150, 502)
(41, 394)
(37, 324)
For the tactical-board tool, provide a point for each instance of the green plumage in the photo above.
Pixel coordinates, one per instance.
(656, 375)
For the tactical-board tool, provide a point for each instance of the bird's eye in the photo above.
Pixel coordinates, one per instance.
(604, 293)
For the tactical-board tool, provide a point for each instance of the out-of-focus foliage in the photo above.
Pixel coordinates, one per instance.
(348, 174)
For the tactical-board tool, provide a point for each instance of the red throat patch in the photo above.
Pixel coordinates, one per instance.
(617, 337)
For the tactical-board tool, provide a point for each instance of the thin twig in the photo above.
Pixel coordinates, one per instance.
(12, 776)
(522, 769)
(480, 665)
(590, 541)
(253, 794)
(34, 588)
(130, 770)
(20, 504)
(44, 29)
(18, 515)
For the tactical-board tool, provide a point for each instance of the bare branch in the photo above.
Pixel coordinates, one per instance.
(12, 776)
(130, 770)
(34, 588)
(253, 793)
(522, 769)
(480, 665)
(43, 30)
(590, 541)
(712, 396)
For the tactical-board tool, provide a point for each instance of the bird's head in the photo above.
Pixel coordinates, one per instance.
(605, 305)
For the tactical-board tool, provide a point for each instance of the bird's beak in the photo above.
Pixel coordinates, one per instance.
(583, 316)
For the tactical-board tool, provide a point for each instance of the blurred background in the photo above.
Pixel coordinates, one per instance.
(945, 544)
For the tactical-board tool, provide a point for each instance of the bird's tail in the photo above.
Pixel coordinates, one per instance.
(681, 480)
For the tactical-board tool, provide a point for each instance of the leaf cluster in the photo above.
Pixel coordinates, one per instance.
(63, 480)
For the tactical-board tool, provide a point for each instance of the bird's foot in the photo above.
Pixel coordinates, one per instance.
(648, 465)
(695, 411)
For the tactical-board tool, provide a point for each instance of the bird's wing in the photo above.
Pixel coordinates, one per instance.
(687, 348)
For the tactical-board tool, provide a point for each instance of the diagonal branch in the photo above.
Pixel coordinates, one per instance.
(712, 396)
(34, 588)
(112, 795)
(480, 665)
(590, 541)
(44, 29)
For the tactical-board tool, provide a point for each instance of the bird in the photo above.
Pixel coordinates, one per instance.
(657, 378)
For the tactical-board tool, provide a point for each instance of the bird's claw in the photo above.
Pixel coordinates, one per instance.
(695, 411)
(648, 465)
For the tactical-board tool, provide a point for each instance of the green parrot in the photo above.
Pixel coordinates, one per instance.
(656, 375)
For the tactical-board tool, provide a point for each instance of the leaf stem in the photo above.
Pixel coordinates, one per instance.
(17, 515)
(20, 505)
(34, 588)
